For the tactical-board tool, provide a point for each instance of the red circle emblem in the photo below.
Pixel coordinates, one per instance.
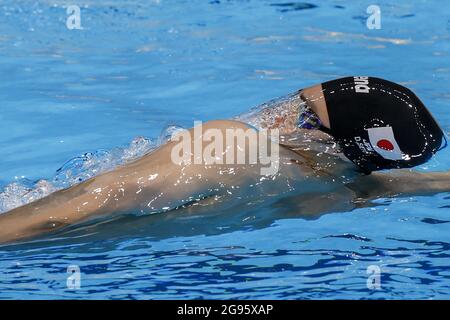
(385, 145)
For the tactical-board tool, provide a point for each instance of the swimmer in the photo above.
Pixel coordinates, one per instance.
(341, 139)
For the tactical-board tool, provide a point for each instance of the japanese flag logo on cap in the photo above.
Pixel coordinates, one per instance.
(383, 142)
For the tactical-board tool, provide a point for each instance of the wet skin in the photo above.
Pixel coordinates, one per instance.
(155, 184)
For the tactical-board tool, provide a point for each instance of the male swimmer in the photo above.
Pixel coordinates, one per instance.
(336, 138)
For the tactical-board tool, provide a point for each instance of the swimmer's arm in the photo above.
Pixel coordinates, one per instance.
(149, 185)
(50, 213)
(146, 186)
(402, 182)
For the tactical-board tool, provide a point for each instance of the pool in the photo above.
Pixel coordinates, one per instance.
(108, 91)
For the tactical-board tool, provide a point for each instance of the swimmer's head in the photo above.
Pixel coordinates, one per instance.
(379, 124)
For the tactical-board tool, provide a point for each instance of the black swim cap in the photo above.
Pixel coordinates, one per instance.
(380, 124)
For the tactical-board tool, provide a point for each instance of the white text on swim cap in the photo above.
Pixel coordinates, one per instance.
(361, 84)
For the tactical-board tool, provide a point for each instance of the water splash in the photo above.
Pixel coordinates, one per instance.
(79, 169)
(23, 191)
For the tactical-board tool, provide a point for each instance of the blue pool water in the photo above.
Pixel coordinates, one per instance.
(139, 66)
